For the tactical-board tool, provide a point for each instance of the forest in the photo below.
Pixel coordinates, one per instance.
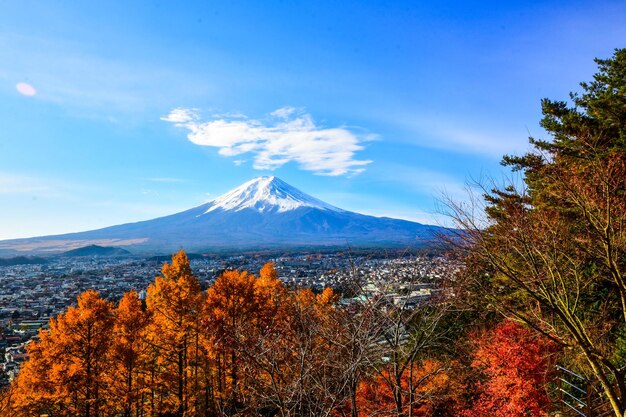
(543, 284)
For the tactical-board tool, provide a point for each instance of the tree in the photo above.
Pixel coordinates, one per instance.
(127, 357)
(174, 302)
(553, 252)
(301, 362)
(65, 372)
(514, 364)
(400, 335)
(6, 400)
(232, 310)
(390, 332)
(430, 387)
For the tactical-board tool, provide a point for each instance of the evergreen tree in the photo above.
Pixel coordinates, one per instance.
(554, 254)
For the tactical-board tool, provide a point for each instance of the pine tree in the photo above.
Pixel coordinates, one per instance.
(553, 254)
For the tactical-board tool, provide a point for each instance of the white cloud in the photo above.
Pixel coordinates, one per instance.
(26, 89)
(295, 137)
(180, 115)
(283, 112)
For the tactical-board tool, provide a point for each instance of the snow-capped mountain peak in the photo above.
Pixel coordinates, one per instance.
(264, 213)
(266, 194)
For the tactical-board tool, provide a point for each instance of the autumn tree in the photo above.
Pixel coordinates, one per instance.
(552, 251)
(301, 362)
(231, 308)
(242, 313)
(174, 302)
(65, 374)
(404, 329)
(265, 354)
(275, 351)
(433, 391)
(126, 375)
(514, 365)
(317, 368)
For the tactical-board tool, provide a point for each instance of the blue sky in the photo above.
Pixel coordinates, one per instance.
(142, 109)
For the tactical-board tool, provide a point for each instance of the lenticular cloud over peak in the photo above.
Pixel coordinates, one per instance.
(287, 134)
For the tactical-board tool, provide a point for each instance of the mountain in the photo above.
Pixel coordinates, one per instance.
(22, 260)
(95, 250)
(264, 213)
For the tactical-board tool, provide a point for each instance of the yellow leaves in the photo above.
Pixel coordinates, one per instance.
(268, 272)
(130, 320)
(175, 296)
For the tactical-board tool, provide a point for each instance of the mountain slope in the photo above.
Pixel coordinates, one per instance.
(265, 212)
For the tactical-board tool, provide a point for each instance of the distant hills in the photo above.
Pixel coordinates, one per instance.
(95, 250)
(22, 260)
(264, 213)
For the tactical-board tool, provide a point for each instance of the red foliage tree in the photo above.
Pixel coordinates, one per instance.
(513, 363)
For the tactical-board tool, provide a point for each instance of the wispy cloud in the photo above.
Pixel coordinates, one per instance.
(71, 75)
(287, 135)
(470, 140)
(12, 184)
(460, 134)
(166, 180)
(432, 182)
(284, 112)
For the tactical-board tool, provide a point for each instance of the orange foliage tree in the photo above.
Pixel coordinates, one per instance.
(6, 397)
(127, 384)
(65, 374)
(174, 302)
(312, 364)
(273, 350)
(428, 389)
(240, 311)
(231, 308)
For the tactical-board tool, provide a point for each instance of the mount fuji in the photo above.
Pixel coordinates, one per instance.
(264, 213)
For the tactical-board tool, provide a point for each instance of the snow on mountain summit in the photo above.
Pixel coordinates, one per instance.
(266, 194)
